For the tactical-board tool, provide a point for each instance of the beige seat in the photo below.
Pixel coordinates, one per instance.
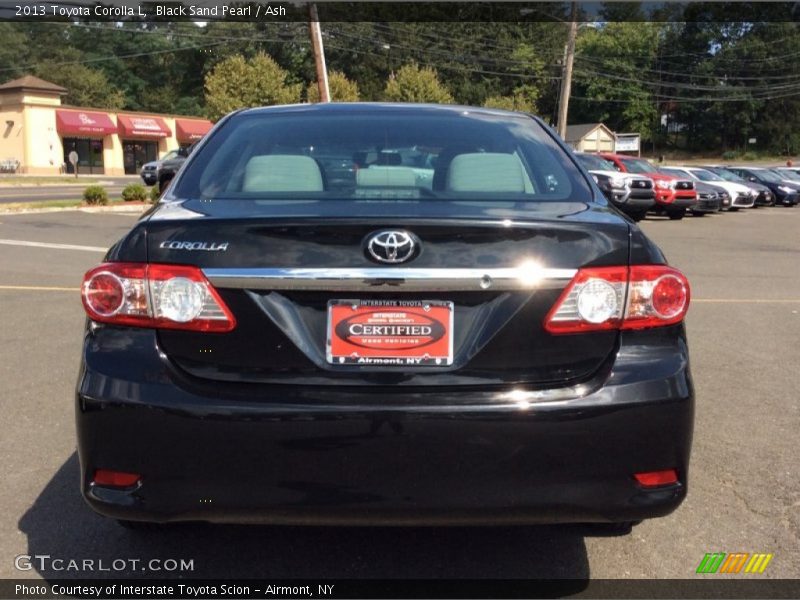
(486, 172)
(282, 173)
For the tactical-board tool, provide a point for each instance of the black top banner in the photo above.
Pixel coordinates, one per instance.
(439, 11)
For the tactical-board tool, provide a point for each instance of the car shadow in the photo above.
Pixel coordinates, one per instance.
(61, 525)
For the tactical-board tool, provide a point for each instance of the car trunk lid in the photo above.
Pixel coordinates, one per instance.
(496, 268)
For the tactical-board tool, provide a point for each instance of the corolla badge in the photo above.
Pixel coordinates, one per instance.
(206, 246)
(392, 246)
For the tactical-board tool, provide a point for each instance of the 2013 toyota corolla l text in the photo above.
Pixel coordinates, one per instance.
(384, 314)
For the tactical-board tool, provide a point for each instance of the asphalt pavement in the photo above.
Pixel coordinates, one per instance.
(744, 486)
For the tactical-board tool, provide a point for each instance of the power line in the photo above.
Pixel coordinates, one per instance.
(684, 75)
(114, 57)
(722, 93)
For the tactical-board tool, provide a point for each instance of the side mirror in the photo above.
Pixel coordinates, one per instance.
(184, 152)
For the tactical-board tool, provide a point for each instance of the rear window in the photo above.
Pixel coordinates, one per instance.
(389, 155)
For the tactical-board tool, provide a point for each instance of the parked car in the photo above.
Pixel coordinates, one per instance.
(632, 194)
(170, 167)
(708, 199)
(149, 172)
(265, 346)
(786, 193)
(741, 195)
(673, 195)
(764, 197)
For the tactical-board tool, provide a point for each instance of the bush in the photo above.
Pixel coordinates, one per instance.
(134, 192)
(154, 194)
(416, 84)
(341, 89)
(95, 194)
(729, 154)
(238, 82)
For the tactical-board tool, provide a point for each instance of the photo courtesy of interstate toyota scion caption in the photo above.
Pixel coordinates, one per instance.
(384, 314)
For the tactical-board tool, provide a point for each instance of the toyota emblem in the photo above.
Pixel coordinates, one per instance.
(392, 246)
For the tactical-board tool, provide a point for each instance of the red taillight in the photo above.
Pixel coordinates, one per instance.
(656, 478)
(159, 296)
(104, 294)
(600, 298)
(108, 478)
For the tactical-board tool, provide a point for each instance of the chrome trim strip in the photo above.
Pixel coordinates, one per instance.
(385, 279)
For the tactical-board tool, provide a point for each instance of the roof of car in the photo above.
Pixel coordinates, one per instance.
(380, 107)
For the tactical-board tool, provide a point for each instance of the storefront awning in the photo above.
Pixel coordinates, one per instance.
(143, 127)
(84, 123)
(191, 130)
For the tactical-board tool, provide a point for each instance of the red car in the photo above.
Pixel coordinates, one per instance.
(673, 194)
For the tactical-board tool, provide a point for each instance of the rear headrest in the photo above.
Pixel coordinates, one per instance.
(486, 172)
(282, 173)
(386, 177)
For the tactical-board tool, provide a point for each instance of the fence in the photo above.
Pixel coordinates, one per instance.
(9, 165)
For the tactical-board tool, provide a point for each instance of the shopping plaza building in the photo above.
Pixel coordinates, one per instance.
(38, 133)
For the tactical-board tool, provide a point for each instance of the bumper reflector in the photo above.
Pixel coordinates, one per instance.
(656, 478)
(119, 479)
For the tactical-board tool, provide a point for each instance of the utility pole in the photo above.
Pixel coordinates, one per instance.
(319, 53)
(566, 78)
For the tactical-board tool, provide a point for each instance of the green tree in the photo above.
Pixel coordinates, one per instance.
(341, 89)
(14, 51)
(85, 86)
(522, 99)
(239, 83)
(413, 83)
(613, 63)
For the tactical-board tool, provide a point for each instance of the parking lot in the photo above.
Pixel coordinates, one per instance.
(744, 333)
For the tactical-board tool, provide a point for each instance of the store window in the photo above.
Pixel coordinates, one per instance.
(136, 153)
(90, 155)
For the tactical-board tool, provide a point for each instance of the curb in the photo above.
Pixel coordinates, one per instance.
(134, 209)
(129, 208)
(70, 184)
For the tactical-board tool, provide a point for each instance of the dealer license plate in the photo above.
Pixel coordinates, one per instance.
(400, 333)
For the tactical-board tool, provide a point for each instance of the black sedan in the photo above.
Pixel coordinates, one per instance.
(786, 193)
(474, 336)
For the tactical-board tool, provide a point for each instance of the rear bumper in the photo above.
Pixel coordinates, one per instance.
(305, 455)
